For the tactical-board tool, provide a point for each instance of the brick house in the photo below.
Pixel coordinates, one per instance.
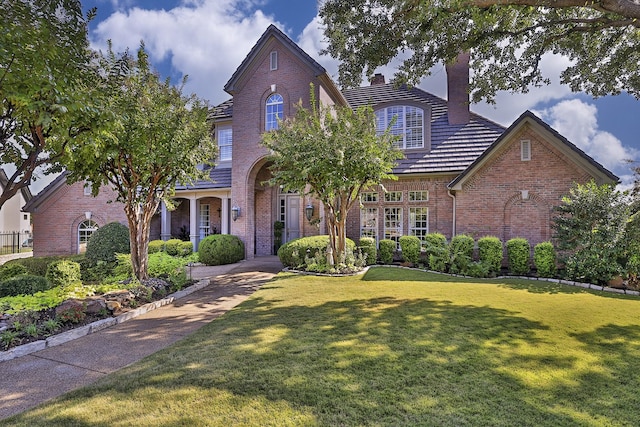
(462, 173)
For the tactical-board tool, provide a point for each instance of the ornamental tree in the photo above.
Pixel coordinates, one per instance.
(45, 101)
(507, 39)
(331, 153)
(154, 139)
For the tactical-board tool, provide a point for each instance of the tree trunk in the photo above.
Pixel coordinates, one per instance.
(139, 219)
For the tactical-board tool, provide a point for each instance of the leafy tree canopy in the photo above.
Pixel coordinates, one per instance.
(45, 101)
(507, 40)
(154, 139)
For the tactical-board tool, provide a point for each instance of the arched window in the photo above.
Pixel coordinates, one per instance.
(273, 111)
(409, 124)
(85, 230)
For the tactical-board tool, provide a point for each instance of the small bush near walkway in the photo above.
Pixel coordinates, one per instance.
(220, 249)
(518, 253)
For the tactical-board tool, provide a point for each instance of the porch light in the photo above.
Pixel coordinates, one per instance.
(235, 212)
(308, 211)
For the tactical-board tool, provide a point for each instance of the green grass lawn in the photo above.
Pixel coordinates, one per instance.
(392, 347)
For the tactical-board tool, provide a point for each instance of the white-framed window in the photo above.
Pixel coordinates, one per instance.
(87, 189)
(393, 196)
(225, 143)
(525, 150)
(205, 221)
(418, 196)
(85, 230)
(419, 223)
(409, 124)
(273, 111)
(273, 61)
(369, 222)
(369, 197)
(393, 224)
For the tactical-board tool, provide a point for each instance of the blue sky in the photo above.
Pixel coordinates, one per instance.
(207, 39)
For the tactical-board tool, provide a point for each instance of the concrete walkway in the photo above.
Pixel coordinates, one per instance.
(35, 378)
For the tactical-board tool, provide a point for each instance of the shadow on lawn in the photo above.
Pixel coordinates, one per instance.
(376, 361)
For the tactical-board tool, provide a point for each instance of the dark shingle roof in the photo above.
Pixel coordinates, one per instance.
(220, 178)
(222, 111)
(453, 147)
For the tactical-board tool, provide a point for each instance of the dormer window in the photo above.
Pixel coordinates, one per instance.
(409, 124)
(273, 111)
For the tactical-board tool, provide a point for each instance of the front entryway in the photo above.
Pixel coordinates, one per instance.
(289, 214)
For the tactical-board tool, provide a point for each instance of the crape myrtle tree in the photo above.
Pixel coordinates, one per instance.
(155, 139)
(507, 39)
(44, 96)
(331, 152)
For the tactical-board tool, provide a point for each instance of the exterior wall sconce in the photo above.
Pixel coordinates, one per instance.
(87, 214)
(235, 212)
(308, 211)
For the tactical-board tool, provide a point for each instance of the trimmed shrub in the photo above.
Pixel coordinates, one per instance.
(490, 253)
(172, 246)
(477, 269)
(62, 273)
(8, 271)
(23, 285)
(155, 246)
(293, 253)
(518, 253)
(106, 242)
(162, 264)
(124, 269)
(386, 248)
(219, 249)
(460, 253)
(436, 250)
(185, 248)
(410, 247)
(544, 258)
(368, 248)
(36, 266)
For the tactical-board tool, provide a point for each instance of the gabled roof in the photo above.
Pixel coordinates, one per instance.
(46, 192)
(272, 31)
(4, 180)
(219, 178)
(453, 147)
(562, 143)
(222, 111)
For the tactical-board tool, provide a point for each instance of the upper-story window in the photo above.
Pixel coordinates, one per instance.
(409, 124)
(225, 139)
(273, 61)
(273, 111)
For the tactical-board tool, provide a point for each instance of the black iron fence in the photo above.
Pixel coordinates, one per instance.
(14, 242)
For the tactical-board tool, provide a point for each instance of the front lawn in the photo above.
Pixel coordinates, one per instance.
(392, 347)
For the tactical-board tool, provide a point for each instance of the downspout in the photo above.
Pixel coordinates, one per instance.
(453, 228)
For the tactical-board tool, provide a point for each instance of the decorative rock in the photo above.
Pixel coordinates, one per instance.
(95, 306)
(114, 306)
(70, 304)
(122, 296)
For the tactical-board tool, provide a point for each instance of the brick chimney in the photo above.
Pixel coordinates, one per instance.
(377, 79)
(458, 90)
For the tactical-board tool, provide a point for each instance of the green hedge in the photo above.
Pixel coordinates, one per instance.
(436, 250)
(292, 253)
(106, 242)
(155, 246)
(63, 272)
(172, 246)
(219, 249)
(410, 247)
(368, 248)
(11, 270)
(544, 258)
(490, 253)
(386, 249)
(23, 285)
(460, 253)
(518, 253)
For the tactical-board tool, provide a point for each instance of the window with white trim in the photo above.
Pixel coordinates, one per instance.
(393, 196)
(419, 223)
(273, 61)
(368, 197)
(418, 196)
(85, 230)
(205, 221)
(369, 222)
(273, 111)
(225, 143)
(393, 224)
(409, 124)
(525, 150)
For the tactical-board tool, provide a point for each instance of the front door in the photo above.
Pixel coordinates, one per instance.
(290, 216)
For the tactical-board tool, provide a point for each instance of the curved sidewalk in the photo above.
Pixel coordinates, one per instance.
(35, 378)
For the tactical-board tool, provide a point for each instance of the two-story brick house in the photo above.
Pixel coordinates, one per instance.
(462, 173)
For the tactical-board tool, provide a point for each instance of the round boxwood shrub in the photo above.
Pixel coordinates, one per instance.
(518, 252)
(368, 248)
(292, 253)
(219, 249)
(410, 247)
(23, 285)
(107, 241)
(62, 273)
(155, 246)
(544, 258)
(185, 248)
(11, 270)
(490, 253)
(386, 249)
(172, 246)
(460, 253)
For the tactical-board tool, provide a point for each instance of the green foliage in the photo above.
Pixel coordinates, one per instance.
(23, 285)
(477, 269)
(460, 253)
(437, 251)
(34, 302)
(171, 246)
(334, 152)
(106, 242)
(507, 40)
(162, 264)
(490, 253)
(123, 268)
(518, 253)
(35, 265)
(386, 249)
(410, 247)
(63, 273)
(185, 249)
(219, 249)
(156, 246)
(368, 248)
(74, 314)
(544, 258)
(11, 270)
(293, 253)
